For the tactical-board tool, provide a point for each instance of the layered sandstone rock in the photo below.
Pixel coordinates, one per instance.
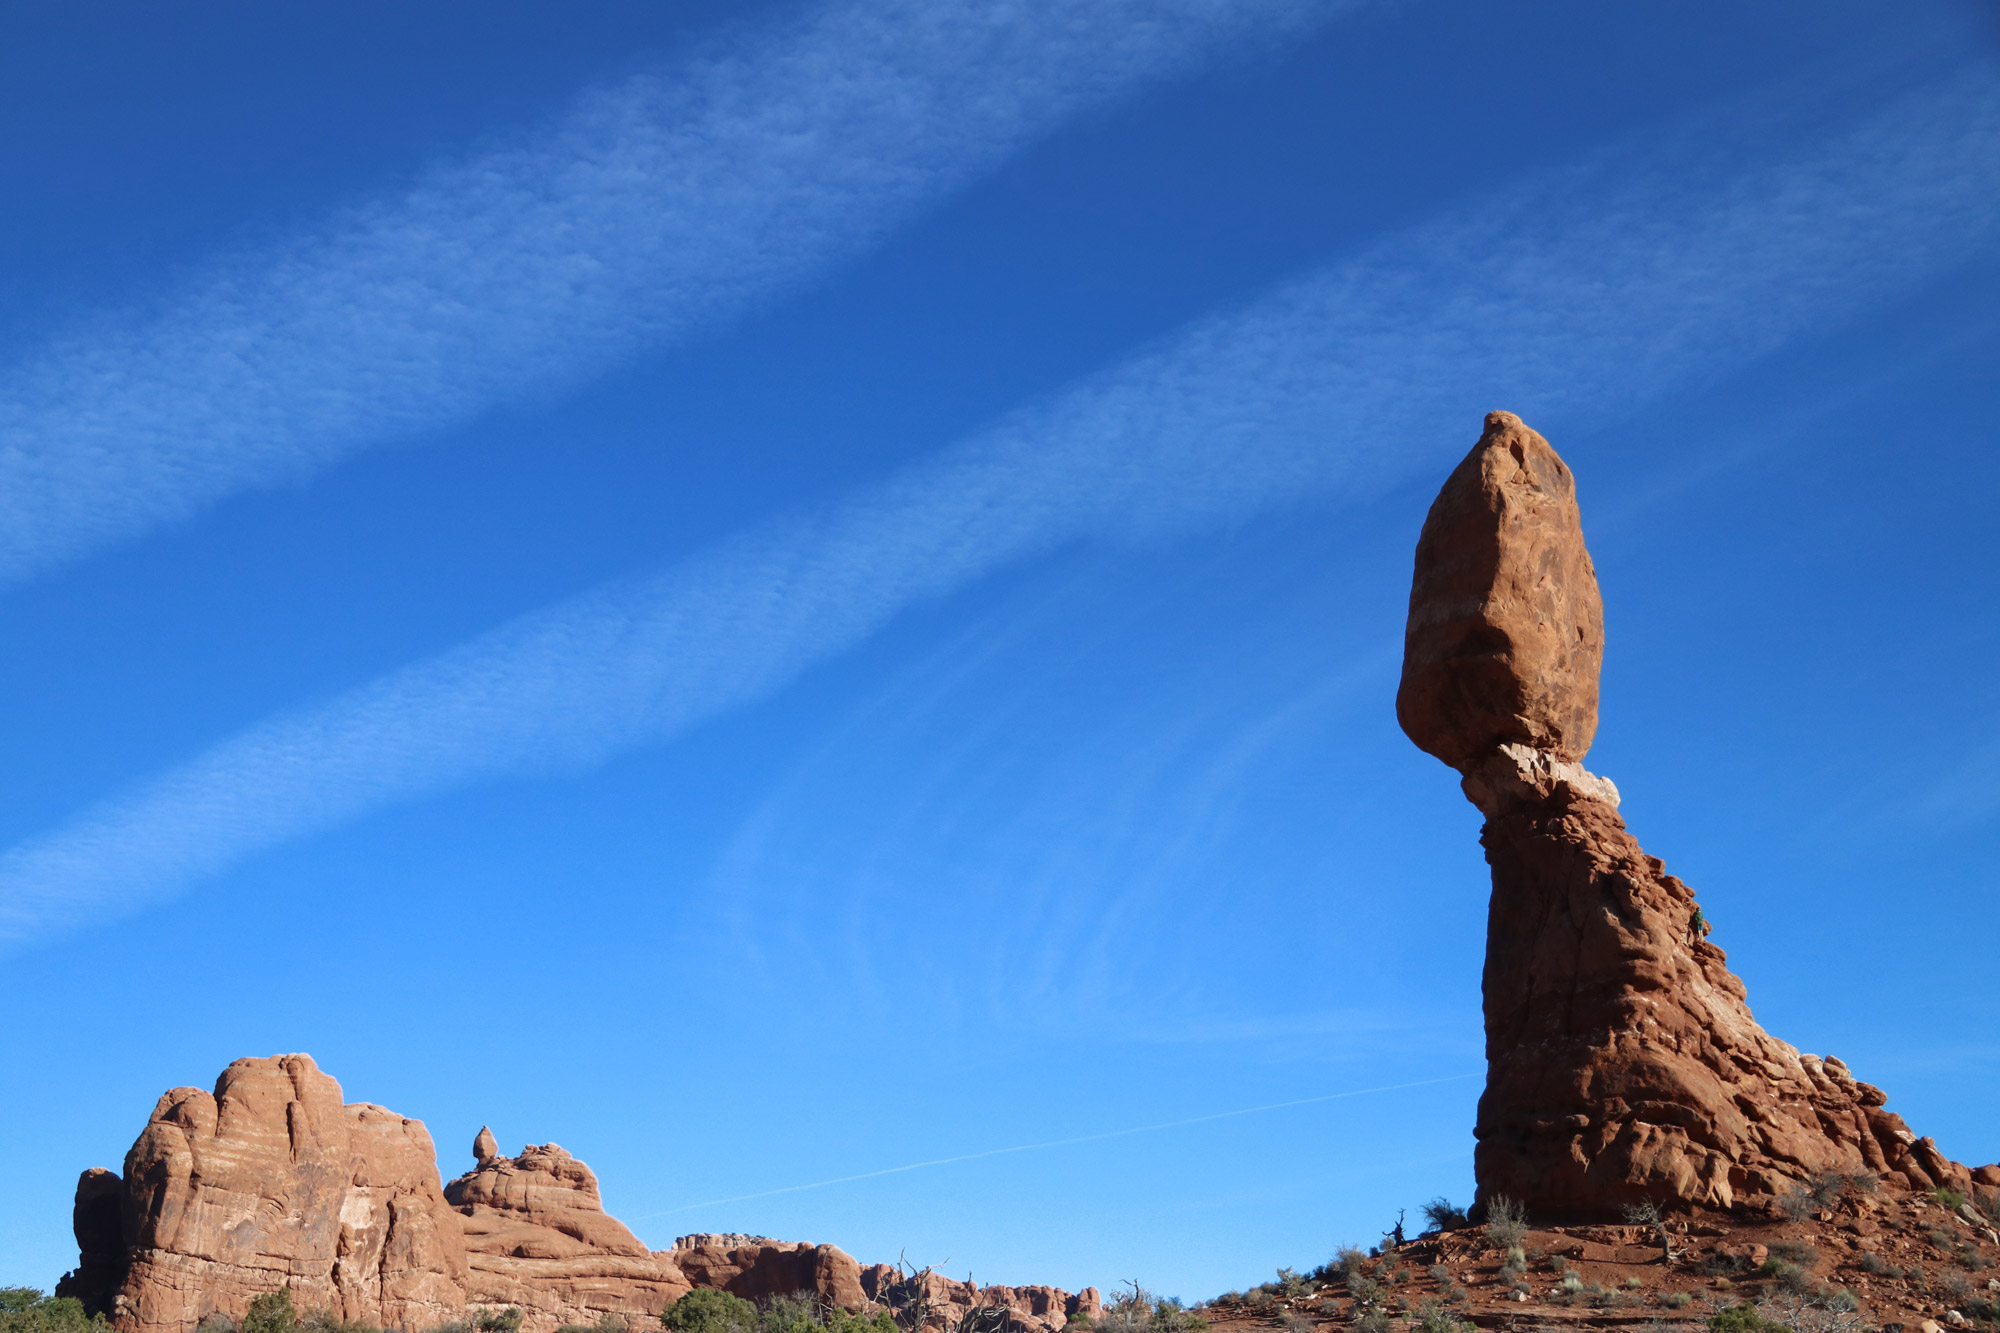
(766, 1268)
(941, 1302)
(1623, 1064)
(272, 1181)
(537, 1236)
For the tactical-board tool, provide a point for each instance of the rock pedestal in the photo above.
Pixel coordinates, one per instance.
(1623, 1064)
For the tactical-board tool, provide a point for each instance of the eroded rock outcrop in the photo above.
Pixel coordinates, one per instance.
(946, 1302)
(1623, 1064)
(537, 1236)
(271, 1180)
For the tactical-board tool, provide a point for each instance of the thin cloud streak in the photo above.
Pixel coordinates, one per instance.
(1340, 382)
(1060, 1143)
(660, 206)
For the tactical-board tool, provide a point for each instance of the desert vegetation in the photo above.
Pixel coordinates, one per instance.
(28, 1310)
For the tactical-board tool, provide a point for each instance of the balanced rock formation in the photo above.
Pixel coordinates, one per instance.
(272, 1181)
(1623, 1064)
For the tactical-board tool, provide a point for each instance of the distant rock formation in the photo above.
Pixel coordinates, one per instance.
(1623, 1064)
(272, 1181)
(269, 1180)
(537, 1236)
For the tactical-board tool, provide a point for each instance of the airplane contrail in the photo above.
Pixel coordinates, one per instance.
(1061, 1143)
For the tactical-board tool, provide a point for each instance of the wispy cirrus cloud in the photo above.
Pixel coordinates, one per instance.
(1580, 297)
(658, 207)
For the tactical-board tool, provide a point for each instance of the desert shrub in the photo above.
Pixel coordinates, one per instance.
(797, 1312)
(272, 1313)
(1957, 1288)
(1969, 1257)
(1796, 1204)
(1789, 1276)
(839, 1321)
(1140, 1311)
(1347, 1262)
(706, 1311)
(1744, 1318)
(498, 1321)
(1375, 1322)
(27, 1310)
(1877, 1266)
(217, 1322)
(1295, 1322)
(1434, 1318)
(1943, 1240)
(448, 1326)
(1289, 1284)
(1676, 1300)
(1635, 1282)
(1444, 1215)
(1827, 1188)
(1506, 1221)
(1949, 1199)
(1795, 1251)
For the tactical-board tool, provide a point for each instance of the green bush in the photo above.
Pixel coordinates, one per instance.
(27, 1310)
(1744, 1318)
(1140, 1311)
(842, 1322)
(271, 1313)
(710, 1312)
(1444, 1215)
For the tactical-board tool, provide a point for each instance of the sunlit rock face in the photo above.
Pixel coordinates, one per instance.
(272, 1181)
(1623, 1064)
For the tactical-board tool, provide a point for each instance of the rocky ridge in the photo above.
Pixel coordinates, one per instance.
(272, 1180)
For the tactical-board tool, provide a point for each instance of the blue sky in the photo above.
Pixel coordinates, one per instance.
(773, 592)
